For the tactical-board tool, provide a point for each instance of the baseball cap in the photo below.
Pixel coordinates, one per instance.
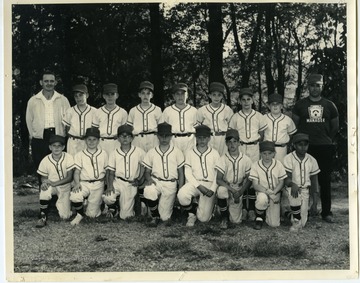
(202, 131)
(246, 91)
(110, 88)
(300, 137)
(232, 133)
(275, 97)
(315, 78)
(57, 138)
(125, 129)
(164, 129)
(180, 86)
(80, 88)
(146, 84)
(216, 86)
(267, 146)
(92, 132)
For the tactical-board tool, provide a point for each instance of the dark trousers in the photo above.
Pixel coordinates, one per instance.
(324, 155)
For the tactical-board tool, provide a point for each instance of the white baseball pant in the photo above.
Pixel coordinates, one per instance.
(235, 209)
(63, 203)
(263, 202)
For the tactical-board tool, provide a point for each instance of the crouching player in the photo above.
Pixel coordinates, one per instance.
(267, 175)
(125, 174)
(233, 171)
(302, 170)
(200, 174)
(164, 173)
(56, 171)
(89, 177)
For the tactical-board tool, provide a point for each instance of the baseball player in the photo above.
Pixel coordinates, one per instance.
(108, 118)
(125, 174)
(164, 173)
(77, 119)
(302, 170)
(144, 118)
(89, 177)
(56, 171)
(233, 171)
(267, 175)
(216, 116)
(200, 174)
(182, 117)
(280, 127)
(251, 125)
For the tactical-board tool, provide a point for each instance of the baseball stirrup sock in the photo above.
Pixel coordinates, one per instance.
(296, 210)
(260, 213)
(79, 207)
(44, 206)
(153, 205)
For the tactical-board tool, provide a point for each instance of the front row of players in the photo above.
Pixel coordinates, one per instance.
(163, 174)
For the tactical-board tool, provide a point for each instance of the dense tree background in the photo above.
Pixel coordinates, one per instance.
(268, 47)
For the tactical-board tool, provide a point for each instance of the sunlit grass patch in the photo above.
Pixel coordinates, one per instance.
(27, 213)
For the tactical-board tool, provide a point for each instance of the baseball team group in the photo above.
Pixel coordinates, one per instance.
(246, 165)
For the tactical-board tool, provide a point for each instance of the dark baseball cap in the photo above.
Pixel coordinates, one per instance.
(125, 129)
(146, 84)
(275, 97)
(164, 129)
(232, 133)
(110, 88)
(202, 131)
(267, 146)
(245, 91)
(92, 132)
(300, 137)
(56, 138)
(216, 86)
(80, 88)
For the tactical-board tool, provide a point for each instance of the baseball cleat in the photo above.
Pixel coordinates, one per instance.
(76, 220)
(328, 219)
(168, 223)
(154, 222)
(112, 213)
(224, 224)
(296, 226)
(42, 221)
(258, 225)
(191, 220)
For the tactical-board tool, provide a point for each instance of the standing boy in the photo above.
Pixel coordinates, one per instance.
(89, 177)
(164, 174)
(200, 174)
(56, 171)
(108, 118)
(77, 119)
(233, 171)
(145, 118)
(182, 117)
(302, 171)
(125, 174)
(267, 176)
(216, 116)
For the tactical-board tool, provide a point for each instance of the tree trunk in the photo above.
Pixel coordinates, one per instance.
(279, 64)
(269, 17)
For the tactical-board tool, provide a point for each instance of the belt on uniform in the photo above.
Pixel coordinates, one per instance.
(165, 180)
(145, 133)
(219, 133)
(49, 129)
(93, 181)
(248, 143)
(75, 137)
(203, 180)
(280, 145)
(108, 138)
(182, 134)
(125, 180)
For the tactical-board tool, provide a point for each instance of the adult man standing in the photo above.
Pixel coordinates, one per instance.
(319, 118)
(44, 115)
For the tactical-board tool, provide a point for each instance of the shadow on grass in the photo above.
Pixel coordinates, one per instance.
(273, 248)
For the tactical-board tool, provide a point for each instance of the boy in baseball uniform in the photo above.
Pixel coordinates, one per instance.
(145, 118)
(280, 127)
(108, 118)
(182, 117)
(89, 177)
(302, 170)
(125, 174)
(233, 171)
(216, 116)
(164, 174)
(267, 176)
(77, 119)
(56, 171)
(251, 125)
(200, 174)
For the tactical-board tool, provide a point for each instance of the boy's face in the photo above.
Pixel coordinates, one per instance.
(56, 148)
(233, 145)
(275, 107)
(315, 89)
(301, 147)
(92, 142)
(80, 97)
(216, 97)
(180, 97)
(164, 139)
(202, 141)
(48, 82)
(125, 138)
(267, 155)
(110, 97)
(145, 95)
(246, 101)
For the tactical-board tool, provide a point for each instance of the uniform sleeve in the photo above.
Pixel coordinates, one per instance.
(180, 158)
(232, 122)
(282, 172)
(158, 114)
(221, 165)
(130, 119)
(78, 160)
(288, 163)
(229, 113)
(29, 116)
(315, 167)
(254, 174)
(148, 160)
(67, 117)
(200, 115)
(263, 124)
(95, 119)
(43, 170)
(291, 127)
(69, 162)
(248, 164)
(106, 160)
(188, 171)
(124, 117)
(111, 161)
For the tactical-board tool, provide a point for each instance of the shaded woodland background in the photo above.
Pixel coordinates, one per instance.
(268, 47)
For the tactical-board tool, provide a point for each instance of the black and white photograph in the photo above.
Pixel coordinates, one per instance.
(180, 141)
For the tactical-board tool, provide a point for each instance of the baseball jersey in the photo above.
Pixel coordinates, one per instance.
(92, 166)
(279, 129)
(234, 168)
(269, 177)
(315, 119)
(301, 170)
(217, 119)
(144, 120)
(249, 125)
(109, 121)
(164, 165)
(126, 164)
(56, 170)
(181, 120)
(78, 120)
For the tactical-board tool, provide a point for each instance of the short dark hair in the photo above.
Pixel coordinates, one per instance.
(47, 72)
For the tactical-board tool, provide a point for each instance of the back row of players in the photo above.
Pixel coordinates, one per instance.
(155, 146)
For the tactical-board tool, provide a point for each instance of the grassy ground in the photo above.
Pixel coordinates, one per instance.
(106, 245)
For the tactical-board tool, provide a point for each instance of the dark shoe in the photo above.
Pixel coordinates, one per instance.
(258, 225)
(42, 221)
(224, 224)
(154, 222)
(328, 219)
(168, 223)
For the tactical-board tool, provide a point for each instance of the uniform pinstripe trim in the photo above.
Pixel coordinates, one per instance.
(58, 165)
(110, 168)
(66, 123)
(275, 121)
(165, 157)
(181, 164)
(80, 115)
(235, 165)
(247, 119)
(110, 114)
(203, 158)
(145, 112)
(94, 161)
(219, 169)
(42, 173)
(126, 158)
(215, 115)
(181, 115)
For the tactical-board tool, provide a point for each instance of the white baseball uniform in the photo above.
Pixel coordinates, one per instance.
(200, 170)
(278, 131)
(183, 122)
(55, 171)
(145, 123)
(92, 168)
(234, 171)
(126, 166)
(108, 123)
(301, 170)
(164, 170)
(217, 119)
(77, 121)
(268, 178)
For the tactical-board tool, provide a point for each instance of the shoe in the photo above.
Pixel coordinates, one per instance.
(154, 222)
(168, 222)
(296, 226)
(244, 215)
(104, 209)
(77, 219)
(42, 221)
(112, 213)
(144, 209)
(224, 224)
(258, 223)
(191, 220)
(328, 219)
(251, 215)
